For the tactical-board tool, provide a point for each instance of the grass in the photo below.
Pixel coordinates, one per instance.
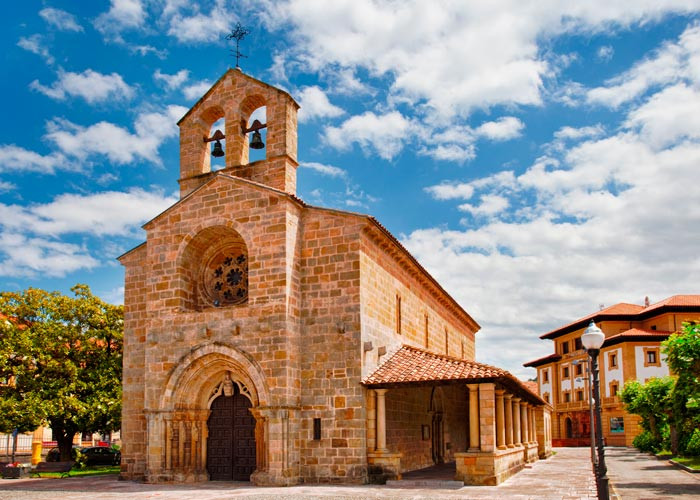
(94, 470)
(664, 454)
(692, 462)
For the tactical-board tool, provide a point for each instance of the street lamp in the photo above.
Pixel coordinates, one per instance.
(592, 340)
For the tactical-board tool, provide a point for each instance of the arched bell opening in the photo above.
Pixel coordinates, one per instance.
(257, 138)
(217, 151)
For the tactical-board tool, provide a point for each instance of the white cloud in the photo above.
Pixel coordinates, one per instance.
(450, 152)
(60, 19)
(172, 82)
(23, 256)
(6, 186)
(502, 129)
(490, 205)
(671, 63)
(188, 25)
(122, 15)
(36, 45)
(315, 104)
(450, 60)
(448, 191)
(90, 85)
(328, 170)
(385, 134)
(109, 213)
(117, 143)
(16, 159)
(196, 90)
(605, 53)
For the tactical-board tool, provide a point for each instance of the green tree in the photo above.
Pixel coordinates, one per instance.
(61, 363)
(682, 351)
(651, 401)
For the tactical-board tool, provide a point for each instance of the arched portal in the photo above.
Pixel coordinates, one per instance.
(437, 433)
(231, 437)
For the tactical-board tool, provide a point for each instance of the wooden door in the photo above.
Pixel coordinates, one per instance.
(231, 441)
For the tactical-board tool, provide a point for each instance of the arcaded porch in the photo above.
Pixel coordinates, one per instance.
(426, 409)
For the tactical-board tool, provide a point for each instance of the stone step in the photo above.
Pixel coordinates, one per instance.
(425, 483)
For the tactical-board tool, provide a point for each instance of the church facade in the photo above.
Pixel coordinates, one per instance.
(277, 342)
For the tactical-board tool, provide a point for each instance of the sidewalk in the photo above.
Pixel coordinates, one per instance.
(636, 475)
(567, 475)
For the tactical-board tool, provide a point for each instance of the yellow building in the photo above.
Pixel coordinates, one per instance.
(631, 351)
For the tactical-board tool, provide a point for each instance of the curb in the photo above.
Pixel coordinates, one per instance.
(684, 467)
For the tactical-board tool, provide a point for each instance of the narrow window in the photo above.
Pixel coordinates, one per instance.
(317, 429)
(613, 360)
(651, 357)
(463, 349)
(545, 396)
(578, 344)
(545, 376)
(567, 397)
(426, 330)
(398, 314)
(447, 339)
(579, 395)
(613, 389)
(565, 347)
(566, 372)
(579, 369)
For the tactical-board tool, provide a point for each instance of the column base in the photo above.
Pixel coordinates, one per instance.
(383, 465)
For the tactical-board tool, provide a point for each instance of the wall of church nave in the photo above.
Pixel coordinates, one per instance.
(410, 424)
(398, 309)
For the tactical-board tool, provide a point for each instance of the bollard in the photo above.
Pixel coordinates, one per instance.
(36, 452)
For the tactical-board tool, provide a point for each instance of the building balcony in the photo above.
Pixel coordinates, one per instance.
(572, 406)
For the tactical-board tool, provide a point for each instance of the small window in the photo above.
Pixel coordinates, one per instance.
(617, 425)
(545, 396)
(578, 344)
(613, 389)
(426, 330)
(579, 395)
(653, 327)
(565, 347)
(652, 357)
(566, 372)
(545, 376)
(612, 360)
(317, 429)
(579, 369)
(567, 397)
(398, 314)
(447, 342)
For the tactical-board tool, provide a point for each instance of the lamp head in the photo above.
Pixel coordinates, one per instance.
(593, 337)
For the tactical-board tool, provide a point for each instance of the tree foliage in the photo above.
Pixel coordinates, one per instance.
(651, 401)
(682, 351)
(60, 363)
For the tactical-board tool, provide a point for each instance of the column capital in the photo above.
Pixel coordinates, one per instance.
(381, 392)
(500, 392)
(516, 399)
(523, 404)
(508, 395)
(473, 387)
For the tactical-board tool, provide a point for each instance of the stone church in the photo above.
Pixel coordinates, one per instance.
(272, 341)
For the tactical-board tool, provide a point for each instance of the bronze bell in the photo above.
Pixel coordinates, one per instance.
(217, 151)
(256, 142)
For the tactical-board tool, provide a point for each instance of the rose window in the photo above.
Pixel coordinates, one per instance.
(226, 278)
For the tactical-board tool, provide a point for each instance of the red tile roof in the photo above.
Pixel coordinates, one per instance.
(412, 366)
(629, 312)
(637, 334)
(544, 360)
(532, 386)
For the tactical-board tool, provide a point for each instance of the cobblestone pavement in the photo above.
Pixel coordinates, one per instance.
(640, 476)
(567, 475)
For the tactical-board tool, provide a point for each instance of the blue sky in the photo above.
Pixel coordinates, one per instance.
(539, 158)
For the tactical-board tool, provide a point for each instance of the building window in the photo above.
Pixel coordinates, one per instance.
(612, 360)
(545, 376)
(447, 342)
(614, 388)
(545, 396)
(398, 314)
(651, 357)
(565, 371)
(567, 397)
(317, 429)
(579, 369)
(425, 328)
(617, 425)
(577, 343)
(579, 395)
(565, 347)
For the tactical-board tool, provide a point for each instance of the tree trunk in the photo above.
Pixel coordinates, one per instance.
(674, 440)
(64, 438)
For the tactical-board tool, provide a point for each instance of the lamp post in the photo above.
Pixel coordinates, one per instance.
(592, 339)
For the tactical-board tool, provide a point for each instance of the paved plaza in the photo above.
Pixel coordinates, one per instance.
(567, 475)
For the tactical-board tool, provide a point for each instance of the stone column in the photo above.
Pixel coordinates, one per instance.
(473, 417)
(381, 420)
(500, 414)
(487, 417)
(533, 434)
(523, 421)
(509, 420)
(516, 422)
